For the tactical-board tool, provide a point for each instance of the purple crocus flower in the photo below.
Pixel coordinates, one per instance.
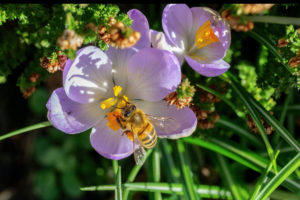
(199, 35)
(95, 81)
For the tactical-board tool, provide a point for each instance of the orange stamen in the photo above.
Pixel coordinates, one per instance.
(205, 35)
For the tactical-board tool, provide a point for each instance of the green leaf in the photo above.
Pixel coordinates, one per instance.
(154, 172)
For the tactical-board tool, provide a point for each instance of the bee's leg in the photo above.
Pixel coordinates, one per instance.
(121, 122)
(129, 134)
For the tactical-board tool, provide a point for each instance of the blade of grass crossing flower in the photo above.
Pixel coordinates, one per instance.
(25, 129)
(279, 178)
(133, 173)
(239, 130)
(231, 184)
(205, 191)
(118, 192)
(256, 118)
(262, 179)
(189, 186)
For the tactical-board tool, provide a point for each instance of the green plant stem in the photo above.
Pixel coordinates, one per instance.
(229, 179)
(133, 173)
(279, 178)
(189, 186)
(25, 129)
(275, 20)
(154, 175)
(118, 191)
(205, 191)
(263, 178)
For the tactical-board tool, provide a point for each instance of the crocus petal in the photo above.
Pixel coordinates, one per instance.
(153, 73)
(159, 41)
(185, 118)
(210, 53)
(140, 24)
(110, 144)
(66, 69)
(89, 78)
(220, 26)
(177, 23)
(212, 69)
(71, 117)
(120, 59)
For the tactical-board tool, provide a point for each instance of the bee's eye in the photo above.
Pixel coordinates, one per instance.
(127, 113)
(133, 107)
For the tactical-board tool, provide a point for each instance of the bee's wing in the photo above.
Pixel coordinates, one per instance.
(139, 153)
(166, 124)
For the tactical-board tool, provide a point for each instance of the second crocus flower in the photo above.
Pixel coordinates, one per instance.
(198, 35)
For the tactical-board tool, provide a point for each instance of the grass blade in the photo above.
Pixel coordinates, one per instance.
(186, 172)
(279, 178)
(25, 129)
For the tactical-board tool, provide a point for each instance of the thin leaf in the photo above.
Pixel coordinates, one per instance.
(279, 178)
(25, 129)
(256, 118)
(154, 172)
(189, 186)
(239, 130)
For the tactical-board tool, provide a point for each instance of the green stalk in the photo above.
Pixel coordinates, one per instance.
(189, 186)
(133, 173)
(229, 179)
(279, 178)
(25, 129)
(118, 191)
(155, 172)
(263, 178)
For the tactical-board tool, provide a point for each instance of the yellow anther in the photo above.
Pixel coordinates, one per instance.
(205, 35)
(108, 103)
(117, 89)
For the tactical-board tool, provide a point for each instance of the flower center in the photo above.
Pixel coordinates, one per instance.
(205, 35)
(117, 102)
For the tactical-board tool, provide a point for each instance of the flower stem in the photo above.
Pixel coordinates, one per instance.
(275, 19)
(25, 129)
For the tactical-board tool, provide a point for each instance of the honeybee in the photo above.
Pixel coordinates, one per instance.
(140, 128)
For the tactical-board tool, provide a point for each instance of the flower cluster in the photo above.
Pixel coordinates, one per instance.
(97, 85)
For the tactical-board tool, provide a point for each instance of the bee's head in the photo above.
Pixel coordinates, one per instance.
(128, 110)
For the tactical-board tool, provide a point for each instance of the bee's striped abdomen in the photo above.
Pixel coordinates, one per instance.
(148, 137)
